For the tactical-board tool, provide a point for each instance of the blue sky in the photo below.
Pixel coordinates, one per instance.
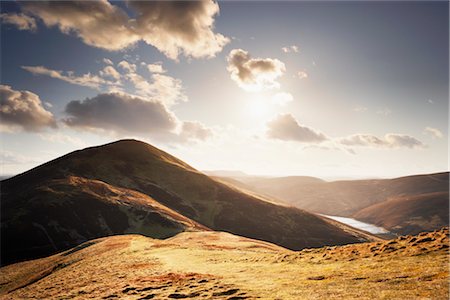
(329, 89)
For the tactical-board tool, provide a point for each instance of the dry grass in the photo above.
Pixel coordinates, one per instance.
(212, 265)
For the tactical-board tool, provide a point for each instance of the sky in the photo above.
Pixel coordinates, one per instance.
(326, 89)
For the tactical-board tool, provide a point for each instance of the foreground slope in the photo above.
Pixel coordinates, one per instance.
(43, 211)
(347, 197)
(214, 265)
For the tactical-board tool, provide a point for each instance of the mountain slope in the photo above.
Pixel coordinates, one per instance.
(409, 214)
(214, 265)
(346, 198)
(136, 166)
(62, 213)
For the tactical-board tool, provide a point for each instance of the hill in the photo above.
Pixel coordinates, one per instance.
(346, 198)
(132, 187)
(409, 214)
(217, 265)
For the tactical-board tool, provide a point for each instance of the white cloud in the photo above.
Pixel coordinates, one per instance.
(130, 68)
(390, 140)
(434, 132)
(254, 74)
(282, 98)
(174, 28)
(21, 21)
(110, 72)
(302, 74)
(23, 110)
(155, 68)
(89, 80)
(286, 127)
(195, 131)
(107, 61)
(10, 158)
(289, 49)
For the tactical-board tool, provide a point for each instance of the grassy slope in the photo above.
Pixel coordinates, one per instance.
(140, 167)
(346, 198)
(409, 214)
(217, 265)
(62, 213)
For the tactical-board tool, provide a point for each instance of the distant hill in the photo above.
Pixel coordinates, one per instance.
(348, 197)
(409, 214)
(218, 265)
(132, 187)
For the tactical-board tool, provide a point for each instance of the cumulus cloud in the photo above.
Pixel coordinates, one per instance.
(434, 132)
(285, 127)
(107, 61)
(172, 27)
(254, 74)
(282, 98)
(390, 140)
(110, 72)
(88, 79)
(23, 110)
(120, 113)
(195, 131)
(155, 68)
(21, 21)
(124, 114)
(289, 49)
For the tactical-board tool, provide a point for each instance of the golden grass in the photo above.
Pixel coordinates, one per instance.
(213, 265)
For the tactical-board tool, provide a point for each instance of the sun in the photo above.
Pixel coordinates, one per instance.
(257, 107)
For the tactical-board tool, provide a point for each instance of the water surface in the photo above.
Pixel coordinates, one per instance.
(358, 224)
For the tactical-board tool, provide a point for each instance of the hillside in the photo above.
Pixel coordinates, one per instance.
(409, 214)
(217, 265)
(81, 196)
(346, 198)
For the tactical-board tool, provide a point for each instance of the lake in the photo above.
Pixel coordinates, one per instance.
(358, 224)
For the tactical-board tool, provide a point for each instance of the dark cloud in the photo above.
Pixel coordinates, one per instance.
(254, 74)
(285, 127)
(172, 27)
(121, 113)
(23, 110)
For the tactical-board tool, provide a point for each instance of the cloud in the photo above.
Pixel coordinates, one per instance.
(254, 74)
(434, 132)
(110, 72)
(282, 98)
(21, 21)
(130, 68)
(23, 110)
(97, 23)
(302, 74)
(289, 49)
(360, 108)
(10, 158)
(120, 113)
(123, 114)
(162, 87)
(179, 27)
(195, 131)
(107, 61)
(89, 80)
(174, 28)
(285, 127)
(155, 68)
(390, 140)
(385, 111)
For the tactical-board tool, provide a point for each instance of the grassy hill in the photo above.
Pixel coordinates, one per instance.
(409, 214)
(348, 197)
(217, 265)
(132, 187)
